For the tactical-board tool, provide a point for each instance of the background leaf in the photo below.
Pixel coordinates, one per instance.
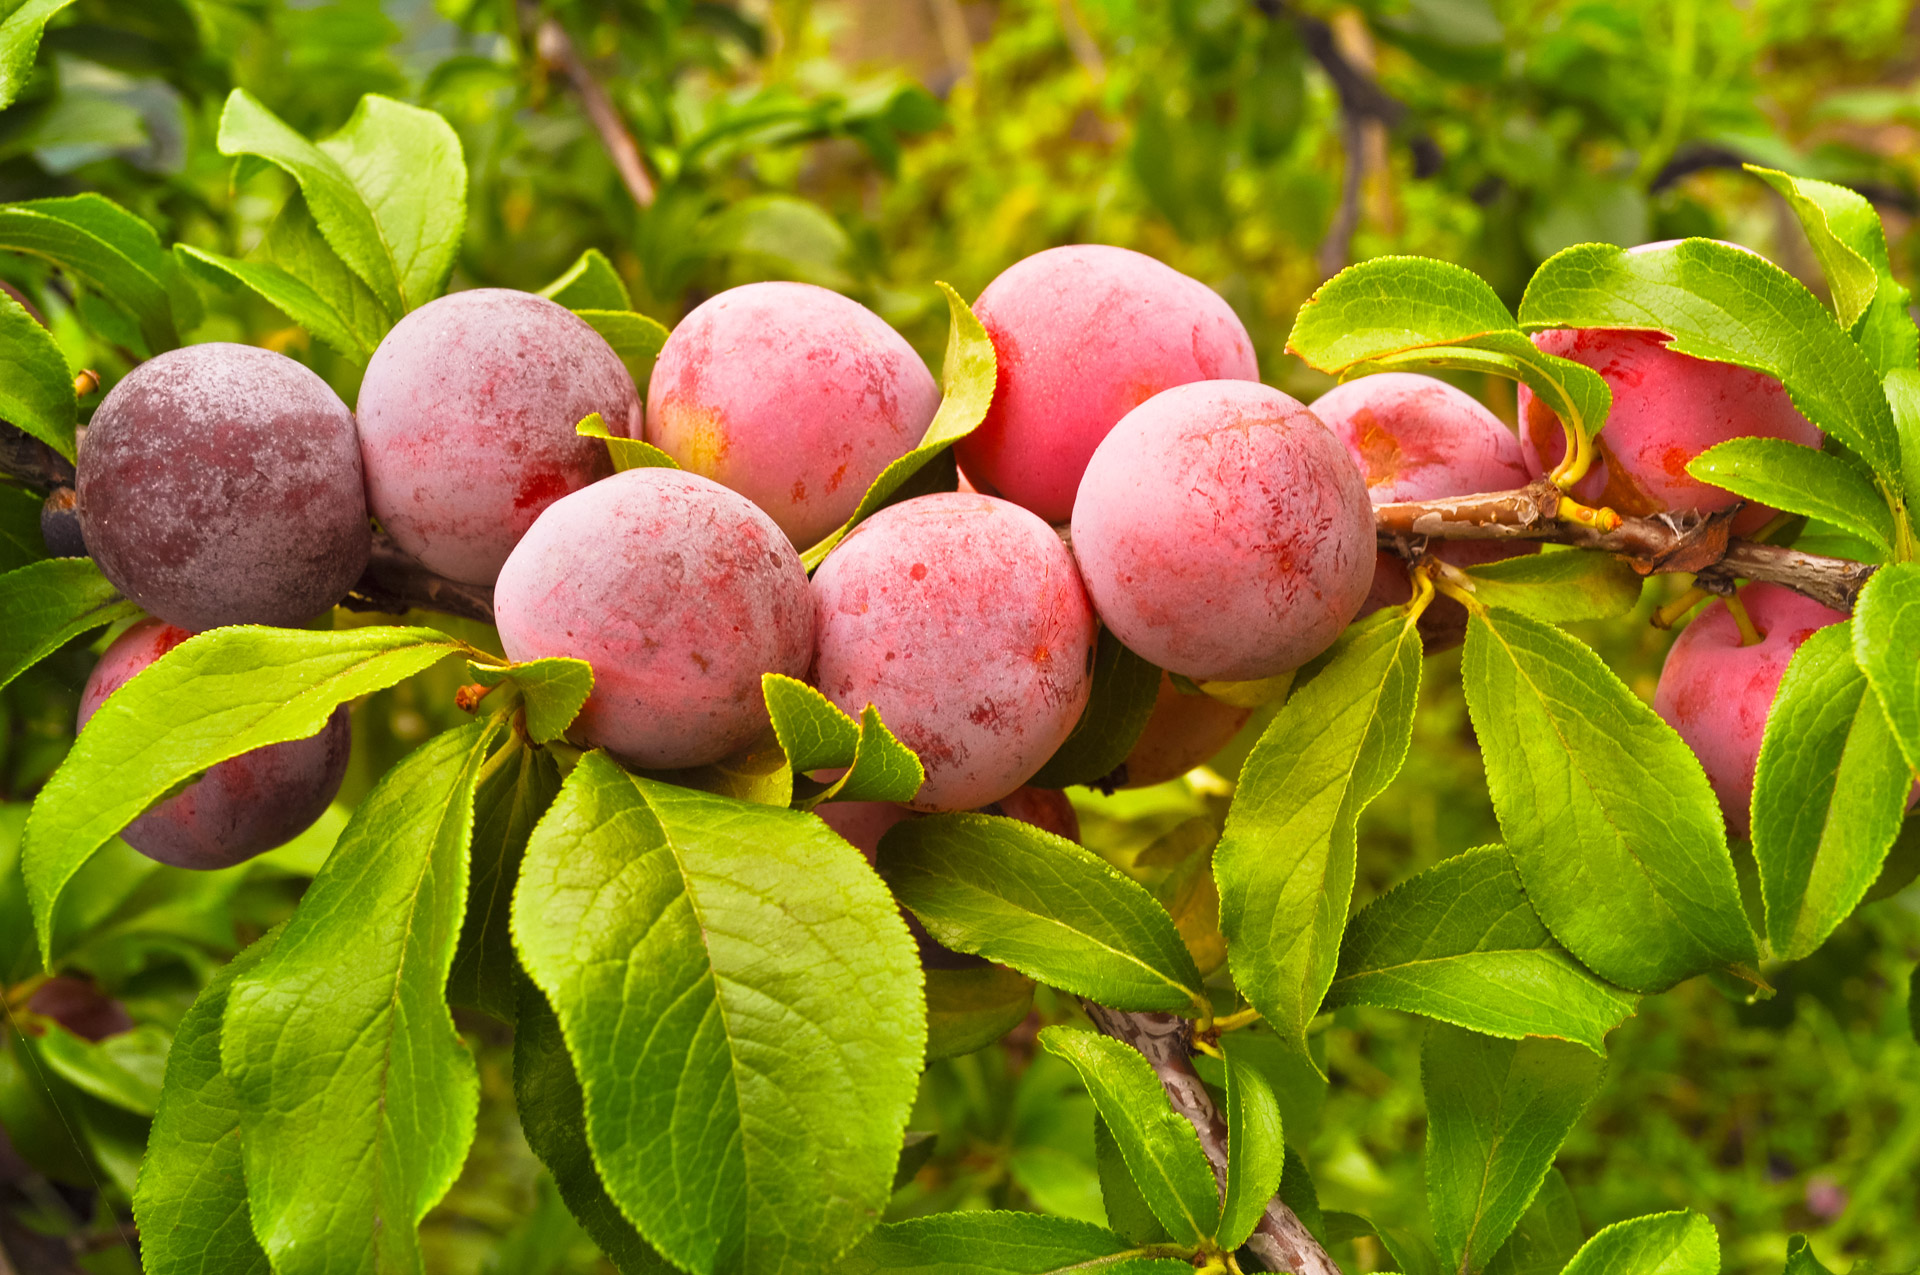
(1497, 1112)
(1005, 890)
(101, 244)
(1124, 688)
(969, 1009)
(19, 41)
(1286, 860)
(215, 696)
(1886, 645)
(36, 388)
(1256, 1143)
(991, 1243)
(1547, 1235)
(46, 604)
(1607, 815)
(515, 789)
(1460, 943)
(743, 1004)
(1159, 1145)
(1829, 794)
(357, 1095)
(1558, 586)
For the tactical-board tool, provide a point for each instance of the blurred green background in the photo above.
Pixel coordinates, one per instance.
(875, 146)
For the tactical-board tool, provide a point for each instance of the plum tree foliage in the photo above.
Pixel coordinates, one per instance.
(753, 797)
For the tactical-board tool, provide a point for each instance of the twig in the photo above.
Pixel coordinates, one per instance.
(1652, 545)
(394, 583)
(556, 49)
(1281, 1241)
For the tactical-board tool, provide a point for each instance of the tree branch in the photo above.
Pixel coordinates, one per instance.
(1281, 1241)
(556, 50)
(1652, 545)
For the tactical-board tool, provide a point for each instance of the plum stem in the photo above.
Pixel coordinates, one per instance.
(1281, 1242)
(1675, 611)
(1749, 635)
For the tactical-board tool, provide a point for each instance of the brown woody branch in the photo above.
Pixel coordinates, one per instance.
(1281, 1241)
(1652, 545)
(557, 51)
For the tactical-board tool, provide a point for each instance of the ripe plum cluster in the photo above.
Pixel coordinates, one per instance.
(1132, 473)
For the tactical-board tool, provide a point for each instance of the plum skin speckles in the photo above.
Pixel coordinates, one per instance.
(794, 396)
(1223, 532)
(1716, 693)
(467, 423)
(220, 484)
(1667, 409)
(679, 593)
(980, 662)
(1084, 334)
(240, 808)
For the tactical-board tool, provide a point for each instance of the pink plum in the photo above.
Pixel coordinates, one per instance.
(1716, 693)
(1183, 731)
(1085, 334)
(679, 593)
(962, 619)
(793, 396)
(242, 807)
(1667, 409)
(1223, 532)
(220, 484)
(467, 417)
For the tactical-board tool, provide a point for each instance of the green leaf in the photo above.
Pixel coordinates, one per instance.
(215, 696)
(358, 1097)
(743, 1004)
(627, 453)
(1913, 1002)
(1851, 244)
(104, 246)
(552, 1110)
(1801, 1259)
(1393, 313)
(969, 1009)
(988, 1243)
(1726, 304)
(295, 271)
(45, 605)
(590, 283)
(1159, 1145)
(1558, 586)
(388, 191)
(1053, 910)
(758, 773)
(1606, 813)
(1682, 1243)
(1497, 1112)
(1460, 943)
(552, 690)
(968, 375)
(36, 387)
(1256, 1146)
(20, 541)
(191, 1203)
(1124, 689)
(1128, 1212)
(517, 786)
(1886, 645)
(125, 1069)
(1800, 480)
(634, 337)
(1286, 860)
(19, 41)
(1547, 1235)
(816, 735)
(1902, 389)
(1829, 794)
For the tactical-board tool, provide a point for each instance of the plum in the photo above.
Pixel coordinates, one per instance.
(1084, 334)
(242, 807)
(467, 416)
(1183, 731)
(1418, 438)
(220, 484)
(1716, 693)
(962, 619)
(793, 396)
(1223, 532)
(1667, 409)
(679, 593)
